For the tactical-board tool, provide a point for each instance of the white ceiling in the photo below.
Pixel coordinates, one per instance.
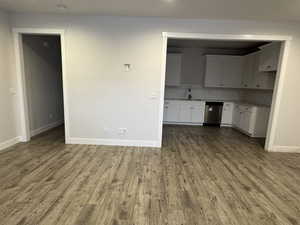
(208, 9)
(188, 43)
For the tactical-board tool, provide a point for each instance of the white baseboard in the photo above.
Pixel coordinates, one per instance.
(181, 123)
(113, 142)
(9, 143)
(45, 128)
(291, 149)
(226, 125)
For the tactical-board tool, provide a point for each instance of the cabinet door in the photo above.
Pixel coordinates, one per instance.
(227, 114)
(269, 57)
(245, 121)
(236, 116)
(214, 71)
(185, 112)
(172, 109)
(262, 80)
(248, 72)
(197, 112)
(173, 69)
(232, 71)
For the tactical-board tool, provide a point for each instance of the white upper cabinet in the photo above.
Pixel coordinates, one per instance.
(252, 71)
(223, 71)
(214, 71)
(248, 71)
(173, 69)
(252, 77)
(233, 71)
(268, 60)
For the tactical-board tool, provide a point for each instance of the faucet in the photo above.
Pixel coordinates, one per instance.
(190, 94)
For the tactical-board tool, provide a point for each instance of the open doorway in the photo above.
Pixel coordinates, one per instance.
(40, 66)
(224, 80)
(43, 79)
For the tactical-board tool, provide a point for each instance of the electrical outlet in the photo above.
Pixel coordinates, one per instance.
(50, 115)
(122, 131)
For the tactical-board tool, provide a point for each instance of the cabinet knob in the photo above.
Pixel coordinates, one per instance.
(257, 85)
(245, 85)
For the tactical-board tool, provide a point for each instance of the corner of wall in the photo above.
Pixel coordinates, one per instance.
(9, 143)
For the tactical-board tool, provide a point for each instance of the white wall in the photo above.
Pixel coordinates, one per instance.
(8, 133)
(43, 75)
(193, 74)
(101, 95)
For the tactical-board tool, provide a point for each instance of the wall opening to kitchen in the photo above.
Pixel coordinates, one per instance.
(221, 83)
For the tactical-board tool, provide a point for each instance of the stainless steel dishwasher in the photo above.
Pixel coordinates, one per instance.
(213, 113)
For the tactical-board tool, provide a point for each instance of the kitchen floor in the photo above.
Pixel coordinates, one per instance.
(202, 175)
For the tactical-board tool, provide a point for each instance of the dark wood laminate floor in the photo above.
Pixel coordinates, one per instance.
(202, 175)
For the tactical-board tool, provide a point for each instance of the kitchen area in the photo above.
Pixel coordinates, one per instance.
(220, 84)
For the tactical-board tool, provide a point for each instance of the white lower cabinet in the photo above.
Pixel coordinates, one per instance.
(185, 112)
(227, 114)
(251, 120)
(236, 115)
(197, 112)
(177, 111)
(171, 111)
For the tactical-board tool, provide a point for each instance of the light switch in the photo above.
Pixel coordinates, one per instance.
(127, 67)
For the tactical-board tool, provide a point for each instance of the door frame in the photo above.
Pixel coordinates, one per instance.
(25, 134)
(279, 81)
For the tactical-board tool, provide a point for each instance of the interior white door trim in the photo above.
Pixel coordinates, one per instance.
(21, 89)
(280, 76)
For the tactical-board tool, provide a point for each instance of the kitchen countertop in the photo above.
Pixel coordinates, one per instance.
(219, 100)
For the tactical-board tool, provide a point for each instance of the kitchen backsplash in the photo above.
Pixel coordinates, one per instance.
(257, 97)
(203, 93)
(251, 96)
